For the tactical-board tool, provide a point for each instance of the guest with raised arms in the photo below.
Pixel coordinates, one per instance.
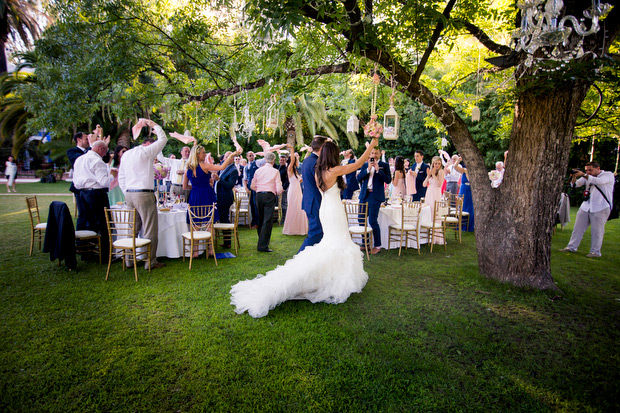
(199, 172)
(296, 221)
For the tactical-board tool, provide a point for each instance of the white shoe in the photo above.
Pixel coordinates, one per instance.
(567, 250)
(592, 255)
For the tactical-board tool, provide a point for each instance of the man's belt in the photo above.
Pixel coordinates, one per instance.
(140, 190)
(94, 189)
(177, 184)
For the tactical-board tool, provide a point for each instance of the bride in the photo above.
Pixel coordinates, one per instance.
(329, 271)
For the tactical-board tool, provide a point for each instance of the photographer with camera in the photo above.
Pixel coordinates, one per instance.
(594, 209)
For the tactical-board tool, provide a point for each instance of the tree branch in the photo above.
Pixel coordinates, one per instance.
(432, 42)
(484, 39)
(316, 71)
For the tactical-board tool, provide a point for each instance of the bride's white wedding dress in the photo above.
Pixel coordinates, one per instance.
(328, 272)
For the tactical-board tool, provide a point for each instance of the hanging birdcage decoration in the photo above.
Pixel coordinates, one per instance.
(475, 114)
(391, 123)
(272, 114)
(391, 120)
(353, 124)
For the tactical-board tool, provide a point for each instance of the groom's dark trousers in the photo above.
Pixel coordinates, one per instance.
(311, 202)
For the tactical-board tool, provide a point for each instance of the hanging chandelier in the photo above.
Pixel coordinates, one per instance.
(541, 28)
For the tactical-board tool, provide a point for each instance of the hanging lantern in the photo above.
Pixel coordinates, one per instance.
(391, 122)
(272, 114)
(475, 114)
(353, 124)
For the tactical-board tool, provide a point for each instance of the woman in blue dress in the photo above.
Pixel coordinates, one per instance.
(199, 174)
(465, 192)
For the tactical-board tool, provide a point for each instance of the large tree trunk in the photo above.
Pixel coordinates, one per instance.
(3, 61)
(514, 223)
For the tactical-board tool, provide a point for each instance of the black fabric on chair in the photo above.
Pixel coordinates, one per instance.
(60, 235)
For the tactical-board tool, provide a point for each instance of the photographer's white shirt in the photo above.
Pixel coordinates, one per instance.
(605, 182)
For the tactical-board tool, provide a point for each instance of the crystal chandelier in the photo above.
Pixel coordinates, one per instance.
(541, 28)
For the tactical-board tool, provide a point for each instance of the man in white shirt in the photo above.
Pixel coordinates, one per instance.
(92, 178)
(135, 177)
(177, 170)
(594, 209)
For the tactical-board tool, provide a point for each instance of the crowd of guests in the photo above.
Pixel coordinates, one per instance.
(278, 176)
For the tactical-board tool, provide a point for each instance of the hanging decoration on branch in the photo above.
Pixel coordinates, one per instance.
(374, 129)
(248, 125)
(541, 28)
(391, 120)
(234, 127)
(272, 114)
(353, 124)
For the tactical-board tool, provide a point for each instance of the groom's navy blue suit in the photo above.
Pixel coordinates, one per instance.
(311, 202)
(374, 197)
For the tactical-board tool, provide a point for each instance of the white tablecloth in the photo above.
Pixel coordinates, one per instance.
(171, 225)
(391, 215)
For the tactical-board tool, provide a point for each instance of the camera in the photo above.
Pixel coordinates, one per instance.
(586, 195)
(371, 160)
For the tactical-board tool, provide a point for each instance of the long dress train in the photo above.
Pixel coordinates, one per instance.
(328, 272)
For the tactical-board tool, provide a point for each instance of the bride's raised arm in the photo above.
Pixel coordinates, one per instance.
(347, 169)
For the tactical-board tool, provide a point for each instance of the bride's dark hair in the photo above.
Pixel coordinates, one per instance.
(329, 157)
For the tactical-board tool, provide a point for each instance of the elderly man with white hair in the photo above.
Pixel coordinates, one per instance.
(268, 186)
(497, 176)
(92, 177)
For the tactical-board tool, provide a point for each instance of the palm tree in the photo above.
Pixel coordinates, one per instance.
(18, 20)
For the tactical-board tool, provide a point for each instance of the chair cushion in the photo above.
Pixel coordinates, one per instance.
(404, 227)
(85, 234)
(127, 242)
(197, 235)
(465, 213)
(431, 224)
(359, 229)
(451, 220)
(221, 225)
(42, 225)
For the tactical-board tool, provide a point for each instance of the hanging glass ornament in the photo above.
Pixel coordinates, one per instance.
(272, 114)
(353, 124)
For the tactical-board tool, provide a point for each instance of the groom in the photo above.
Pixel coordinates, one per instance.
(373, 177)
(311, 199)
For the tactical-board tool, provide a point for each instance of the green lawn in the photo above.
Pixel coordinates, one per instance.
(428, 333)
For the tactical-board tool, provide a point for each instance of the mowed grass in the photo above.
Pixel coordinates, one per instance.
(428, 333)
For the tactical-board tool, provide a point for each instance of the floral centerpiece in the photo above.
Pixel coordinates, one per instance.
(161, 171)
(373, 128)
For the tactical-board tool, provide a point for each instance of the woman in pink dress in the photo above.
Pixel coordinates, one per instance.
(433, 182)
(296, 221)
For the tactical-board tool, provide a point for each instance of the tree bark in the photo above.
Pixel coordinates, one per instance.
(514, 223)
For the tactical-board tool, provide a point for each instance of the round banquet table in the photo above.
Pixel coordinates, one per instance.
(171, 224)
(391, 215)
